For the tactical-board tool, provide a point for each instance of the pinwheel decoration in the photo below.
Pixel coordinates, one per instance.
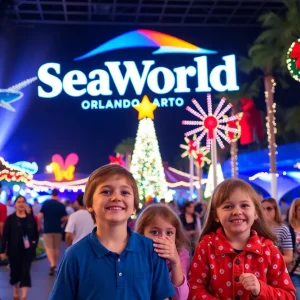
(200, 157)
(293, 60)
(189, 147)
(213, 125)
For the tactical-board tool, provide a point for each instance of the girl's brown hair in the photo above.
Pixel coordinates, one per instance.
(101, 175)
(273, 202)
(293, 213)
(221, 194)
(162, 210)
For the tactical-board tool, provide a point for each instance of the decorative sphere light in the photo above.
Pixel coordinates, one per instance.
(49, 168)
(22, 193)
(16, 188)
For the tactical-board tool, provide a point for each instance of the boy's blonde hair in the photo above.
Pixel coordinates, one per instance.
(293, 213)
(162, 210)
(101, 175)
(273, 202)
(221, 194)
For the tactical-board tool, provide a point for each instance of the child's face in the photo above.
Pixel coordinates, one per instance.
(113, 201)
(160, 228)
(269, 210)
(237, 214)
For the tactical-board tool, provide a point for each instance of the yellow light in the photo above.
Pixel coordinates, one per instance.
(145, 109)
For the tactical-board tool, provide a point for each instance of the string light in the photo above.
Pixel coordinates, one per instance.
(271, 125)
(11, 173)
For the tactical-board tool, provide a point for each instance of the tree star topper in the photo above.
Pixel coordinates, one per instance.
(210, 124)
(146, 108)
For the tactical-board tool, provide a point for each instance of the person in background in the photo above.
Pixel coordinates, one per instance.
(162, 201)
(190, 222)
(294, 220)
(29, 212)
(36, 207)
(173, 205)
(284, 209)
(112, 262)
(69, 209)
(20, 237)
(3, 216)
(79, 223)
(280, 230)
(54, 214)
(236, 257)
(10, 209)
(200, 210)
(160, 223)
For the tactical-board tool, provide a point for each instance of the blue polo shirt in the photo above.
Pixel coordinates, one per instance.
(89, 271)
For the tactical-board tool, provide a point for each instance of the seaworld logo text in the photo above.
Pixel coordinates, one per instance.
(76, 83)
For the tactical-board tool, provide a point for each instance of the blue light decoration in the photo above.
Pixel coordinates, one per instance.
(13, 94)
(25, 166)
(8, 96)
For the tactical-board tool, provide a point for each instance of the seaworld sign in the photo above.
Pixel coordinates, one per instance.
(147, 74)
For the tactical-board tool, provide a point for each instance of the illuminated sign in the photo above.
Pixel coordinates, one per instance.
(64, 170)
(102, 87)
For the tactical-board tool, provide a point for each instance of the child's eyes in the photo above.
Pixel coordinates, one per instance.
(170, 233)
(227, 207)
(125, 193)
(105, 192)
(230, 206)
(154, 232)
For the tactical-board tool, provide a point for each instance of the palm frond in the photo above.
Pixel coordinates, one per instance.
(245, 64)
(271, 20)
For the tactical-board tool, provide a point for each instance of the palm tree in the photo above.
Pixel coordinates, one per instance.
(268, 54)
(126, 148)
(245, 91)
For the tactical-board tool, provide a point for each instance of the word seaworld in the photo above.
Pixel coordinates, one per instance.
(157, 79)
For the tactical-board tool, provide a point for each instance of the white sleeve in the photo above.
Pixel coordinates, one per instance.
(70, 225)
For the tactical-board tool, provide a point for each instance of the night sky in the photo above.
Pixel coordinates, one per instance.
(43, 127)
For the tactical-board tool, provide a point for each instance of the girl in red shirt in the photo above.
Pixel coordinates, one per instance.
(236, 257)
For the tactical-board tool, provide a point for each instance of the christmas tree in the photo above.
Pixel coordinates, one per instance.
(146, 164)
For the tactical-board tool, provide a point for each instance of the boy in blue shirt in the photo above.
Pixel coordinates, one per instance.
(112, 262)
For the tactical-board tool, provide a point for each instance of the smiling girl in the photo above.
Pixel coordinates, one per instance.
(236, 257)
(160, 223)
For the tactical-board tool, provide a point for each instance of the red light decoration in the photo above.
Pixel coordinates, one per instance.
(293, 60)
(118, 159)
(190, 148)
(200, 157)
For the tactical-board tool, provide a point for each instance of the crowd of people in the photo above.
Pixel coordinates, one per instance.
(239, 246)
